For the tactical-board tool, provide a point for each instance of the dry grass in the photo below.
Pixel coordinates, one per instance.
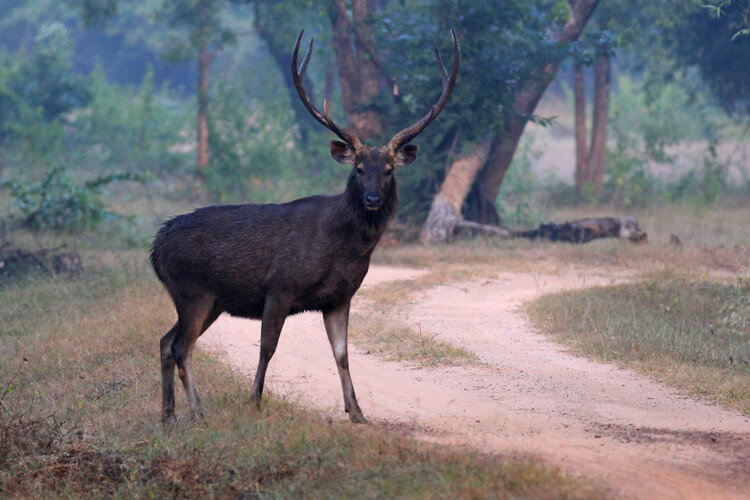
(383, 330)
(694, 335)
(81, 417)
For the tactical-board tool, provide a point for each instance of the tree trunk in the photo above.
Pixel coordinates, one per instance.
(445, 211)
(359, 75)
(204, 62)
(597, 157)
(501, 153)
(492, 175)
(440, 222)
(582, 153)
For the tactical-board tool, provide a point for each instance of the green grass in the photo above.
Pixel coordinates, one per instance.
(81, 416)
(690, 333)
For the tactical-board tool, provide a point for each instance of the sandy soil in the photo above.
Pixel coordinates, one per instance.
(635, 436)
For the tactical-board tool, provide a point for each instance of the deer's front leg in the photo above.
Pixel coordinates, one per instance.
(337, 326)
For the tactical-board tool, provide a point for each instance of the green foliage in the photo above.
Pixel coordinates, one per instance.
(195, 25)
(123, 129)
(704, 184)
(517, 204)
(503, 45)
(718, 46)
(46, 81)
(254, 155)
(60, 203)
(38, 93)
(643, 127)
(737, 17)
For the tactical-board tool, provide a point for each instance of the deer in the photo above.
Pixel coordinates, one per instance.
(269, 261)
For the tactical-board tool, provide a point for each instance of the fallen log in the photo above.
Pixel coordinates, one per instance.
(16, 261)
(585, 230)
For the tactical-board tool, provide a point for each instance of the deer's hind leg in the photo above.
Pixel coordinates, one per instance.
(167, 374)
(194, 318)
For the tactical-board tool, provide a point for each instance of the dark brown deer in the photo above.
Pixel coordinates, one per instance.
(269, 261)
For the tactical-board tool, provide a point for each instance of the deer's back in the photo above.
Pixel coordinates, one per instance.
(240, 254)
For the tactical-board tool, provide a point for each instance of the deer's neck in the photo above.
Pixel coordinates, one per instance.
(370, 224)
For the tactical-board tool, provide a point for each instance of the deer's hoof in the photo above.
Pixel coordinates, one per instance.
(168, 419)
(357, 418)
(254, 401)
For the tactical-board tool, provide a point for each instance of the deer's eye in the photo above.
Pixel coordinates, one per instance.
(360, 169)
(388, 171)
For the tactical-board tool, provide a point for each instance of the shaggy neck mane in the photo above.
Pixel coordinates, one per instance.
(371, 223)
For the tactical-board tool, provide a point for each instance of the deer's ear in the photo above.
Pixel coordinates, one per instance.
(342, 152)
(405, 155)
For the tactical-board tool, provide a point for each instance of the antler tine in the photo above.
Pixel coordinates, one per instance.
(412, 131)
(443, 72)
(306, 60)
(298, 72)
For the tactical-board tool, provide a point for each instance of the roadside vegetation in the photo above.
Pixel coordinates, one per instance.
(691, 333)
(79, 416)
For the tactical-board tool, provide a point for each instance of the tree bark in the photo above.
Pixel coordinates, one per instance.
(504, 147)
(359, 75)
(582, 153)
(445, 211)
(204, 62)
(597, 157)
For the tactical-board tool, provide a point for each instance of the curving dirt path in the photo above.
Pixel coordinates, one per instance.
(637, 437)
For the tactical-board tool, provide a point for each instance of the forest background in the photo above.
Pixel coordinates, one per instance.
(194, 100)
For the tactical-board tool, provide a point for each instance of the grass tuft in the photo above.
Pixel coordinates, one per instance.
(694, 335)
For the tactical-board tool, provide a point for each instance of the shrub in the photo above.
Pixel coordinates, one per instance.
(60, 203)
(255, 155)
(125, 129)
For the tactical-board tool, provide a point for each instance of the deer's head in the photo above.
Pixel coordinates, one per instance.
(374, 166)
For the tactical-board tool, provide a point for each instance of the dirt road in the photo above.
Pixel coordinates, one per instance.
(633, 435)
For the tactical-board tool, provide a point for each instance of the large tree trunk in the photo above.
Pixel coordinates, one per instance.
(359, 75)
(445, 211)
(602, 79)
(582, 153)
(504, 147)
(492, 175)
(204, 62)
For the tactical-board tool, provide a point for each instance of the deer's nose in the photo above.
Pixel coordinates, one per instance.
(372, 200)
